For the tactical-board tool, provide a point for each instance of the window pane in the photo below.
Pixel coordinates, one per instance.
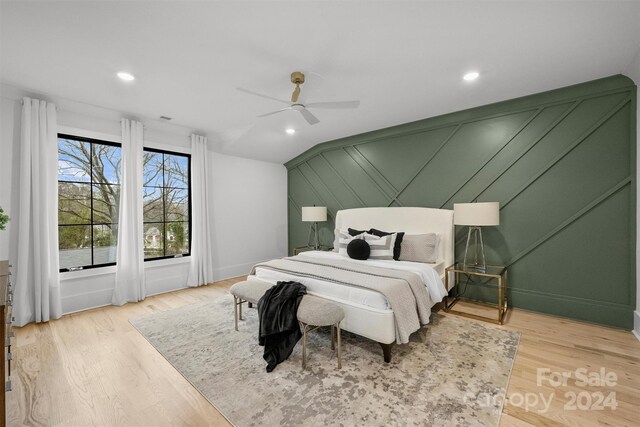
(74, 203)
(105, 238)
(106, 164)
(152, 205)
(177, 205)
(166, 204)
(176, 171)
(88, 199)
(186, 247)
(73, 160)
(177, 238)
(152, 169)
(75, 245)
(106, 199)
(153, 240)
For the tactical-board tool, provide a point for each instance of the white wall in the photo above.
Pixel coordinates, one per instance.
(249, 208)
(633, 71)
(9, 132)
(248, 202)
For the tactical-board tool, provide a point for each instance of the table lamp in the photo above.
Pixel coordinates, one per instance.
(314, 214)
(476, 216)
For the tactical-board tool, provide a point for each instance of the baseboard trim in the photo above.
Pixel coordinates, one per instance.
(97, 298)
(584, 310)
(86, 301)
(237, 270)
(616, 315)
(166, 284)
(636, 324)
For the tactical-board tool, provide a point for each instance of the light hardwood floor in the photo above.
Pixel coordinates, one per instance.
(94, 368)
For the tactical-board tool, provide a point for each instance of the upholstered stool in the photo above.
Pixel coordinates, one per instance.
(316, 312)
(247, 291)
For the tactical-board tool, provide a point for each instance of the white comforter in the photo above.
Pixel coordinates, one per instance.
(362, 296)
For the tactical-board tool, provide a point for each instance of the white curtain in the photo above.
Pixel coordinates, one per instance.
(130, 282)
(200, 269)
(37, 292)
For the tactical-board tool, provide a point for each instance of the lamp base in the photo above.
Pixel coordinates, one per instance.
(478, 263)
(315, 244)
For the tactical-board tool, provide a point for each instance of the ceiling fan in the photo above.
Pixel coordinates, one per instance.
(297, 78)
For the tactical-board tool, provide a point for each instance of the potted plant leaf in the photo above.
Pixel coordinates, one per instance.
(4, 219)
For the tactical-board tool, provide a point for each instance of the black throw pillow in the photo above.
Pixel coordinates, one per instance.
(396, 246)
(353, 232)
(358, 249)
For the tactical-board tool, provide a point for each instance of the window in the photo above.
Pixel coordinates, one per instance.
(89, 196)
(166, 204)
(88, 199)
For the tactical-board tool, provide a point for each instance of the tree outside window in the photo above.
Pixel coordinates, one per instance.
(89, 196)
(166, 204)
(88, 199)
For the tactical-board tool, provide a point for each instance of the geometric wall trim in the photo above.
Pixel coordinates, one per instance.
(561, 164)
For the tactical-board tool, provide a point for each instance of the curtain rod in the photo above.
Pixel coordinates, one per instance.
(143, 124)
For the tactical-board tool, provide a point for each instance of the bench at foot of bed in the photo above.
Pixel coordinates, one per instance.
(251, 291)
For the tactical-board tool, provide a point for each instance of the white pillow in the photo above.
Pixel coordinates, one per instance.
(336, 236)
(381, 247)
(343, 240)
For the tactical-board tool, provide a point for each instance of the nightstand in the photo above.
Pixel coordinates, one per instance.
(492, 273)
(300, 249)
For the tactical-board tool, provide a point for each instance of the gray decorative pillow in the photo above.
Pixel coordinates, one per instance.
(419, 248)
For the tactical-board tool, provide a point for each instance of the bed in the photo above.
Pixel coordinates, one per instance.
(367, 311)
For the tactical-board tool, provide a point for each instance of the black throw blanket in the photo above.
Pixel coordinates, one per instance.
(279, 327)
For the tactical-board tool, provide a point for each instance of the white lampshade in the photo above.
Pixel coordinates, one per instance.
(314, 213)
(478, 214)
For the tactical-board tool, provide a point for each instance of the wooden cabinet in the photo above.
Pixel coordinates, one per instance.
(5, 335)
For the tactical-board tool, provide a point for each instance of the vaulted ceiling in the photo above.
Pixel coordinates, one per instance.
(403, 60)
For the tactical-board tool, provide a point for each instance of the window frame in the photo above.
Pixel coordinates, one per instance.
(91, 184)
(164, 223)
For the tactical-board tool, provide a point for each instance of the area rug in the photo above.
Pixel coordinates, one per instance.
(454, 372)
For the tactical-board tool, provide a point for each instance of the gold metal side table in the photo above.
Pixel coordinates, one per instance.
(491, 272)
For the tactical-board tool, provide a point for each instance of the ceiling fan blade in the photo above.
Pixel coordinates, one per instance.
(275, 112)
(250, 92)
(295, 94)
(335, 105)
(310, 118)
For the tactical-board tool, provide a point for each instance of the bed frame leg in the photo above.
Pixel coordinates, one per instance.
(386, 350)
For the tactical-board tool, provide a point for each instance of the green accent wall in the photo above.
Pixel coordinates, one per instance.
(561, 164)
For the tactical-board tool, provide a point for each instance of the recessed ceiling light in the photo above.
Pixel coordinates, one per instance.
(127, 77)
(471, 76)
(290, 131)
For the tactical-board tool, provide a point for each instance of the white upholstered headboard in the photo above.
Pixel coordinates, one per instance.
(409, 220)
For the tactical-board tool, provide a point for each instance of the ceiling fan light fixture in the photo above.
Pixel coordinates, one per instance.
(471, 76)
(127, 77)
(297, 78)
